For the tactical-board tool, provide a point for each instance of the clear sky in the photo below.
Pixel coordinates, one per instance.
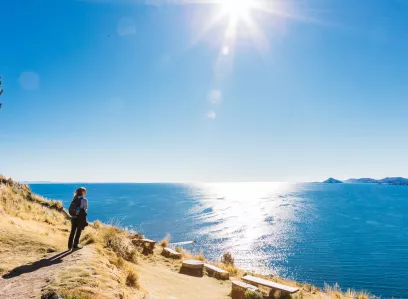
(219, 90)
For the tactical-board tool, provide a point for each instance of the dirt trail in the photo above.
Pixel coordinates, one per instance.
(163, 283)
(29, 281)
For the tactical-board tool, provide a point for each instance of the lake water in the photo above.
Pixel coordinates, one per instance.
(353, 234)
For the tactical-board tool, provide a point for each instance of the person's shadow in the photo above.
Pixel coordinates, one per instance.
(56, 259)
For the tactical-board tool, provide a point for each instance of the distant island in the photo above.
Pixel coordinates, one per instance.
(332, 181)
(399, 181)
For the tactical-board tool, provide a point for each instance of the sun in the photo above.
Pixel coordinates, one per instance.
(237, 8)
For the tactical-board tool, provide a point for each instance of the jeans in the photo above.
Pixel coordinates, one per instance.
(75, 233)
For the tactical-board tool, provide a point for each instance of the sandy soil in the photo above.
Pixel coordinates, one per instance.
(29, 281)
(165, 283)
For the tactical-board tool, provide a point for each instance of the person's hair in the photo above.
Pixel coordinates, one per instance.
(79, 192)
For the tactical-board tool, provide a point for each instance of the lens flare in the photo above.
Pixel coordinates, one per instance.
(237, 8)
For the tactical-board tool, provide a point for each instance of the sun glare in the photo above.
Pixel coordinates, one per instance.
(237, 8)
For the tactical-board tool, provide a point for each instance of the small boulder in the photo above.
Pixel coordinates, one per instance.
(51, 295)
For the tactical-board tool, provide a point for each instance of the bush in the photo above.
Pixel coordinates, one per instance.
(97, 224)
(253, 295)
(76, 294)
(277, 294)
(200, 257)
(165, 241)
(230, 269)
(119, 262)
(298, 295)
(89, 238)
(227, 259)
(114, 239)
(133, 256)
(132, 279)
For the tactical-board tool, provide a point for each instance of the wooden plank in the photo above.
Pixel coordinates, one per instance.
(216, 272)
(148, 241)
(215, 269)
(270, 284)
(169, 250)
(170, 253)
(193, 264)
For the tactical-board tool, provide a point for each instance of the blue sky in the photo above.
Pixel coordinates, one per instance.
(139, 91)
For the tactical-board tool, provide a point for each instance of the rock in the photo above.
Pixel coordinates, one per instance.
(51, 295)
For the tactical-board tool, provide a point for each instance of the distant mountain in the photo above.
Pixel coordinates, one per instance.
(361, 181)
(388, 181)
(332, 181)
(394, 181)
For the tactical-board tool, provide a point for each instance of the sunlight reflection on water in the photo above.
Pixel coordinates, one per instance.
(247, 218)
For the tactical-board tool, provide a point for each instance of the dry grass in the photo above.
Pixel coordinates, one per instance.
(232, 270)
(227, 263)
(119, 262)
(26, 223)
(200, 257)
(165, 242)
(253, 295)
(335, 292)
(21, 202)
(227, 259)
(18, 249)
(80, 294)
(133, 256)
(298, 295)
(89, 238)
(112, 238)
(132, 279)
(97, 224)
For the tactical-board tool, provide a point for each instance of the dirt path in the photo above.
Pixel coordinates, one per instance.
(29, 281)
(163, 283)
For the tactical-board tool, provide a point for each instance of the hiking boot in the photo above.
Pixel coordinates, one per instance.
(77, 247)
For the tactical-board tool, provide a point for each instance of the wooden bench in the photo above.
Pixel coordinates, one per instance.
(148, 246)
(216, 272)
(257, 281)
(239, 288)
(192, 267)
(168, 252)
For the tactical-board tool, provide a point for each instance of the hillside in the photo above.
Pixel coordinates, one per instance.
(399, 181)
(34, 259)
(332, 181)
(361, 181)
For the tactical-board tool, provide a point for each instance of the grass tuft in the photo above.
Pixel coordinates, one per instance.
(90, 238)
(252, 295)
(200, 257)
(165, 241)
(97, 224)
(227, 259)
(133, 256)
(132, 279)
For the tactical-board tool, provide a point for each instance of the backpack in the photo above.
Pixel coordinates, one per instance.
(74, 206)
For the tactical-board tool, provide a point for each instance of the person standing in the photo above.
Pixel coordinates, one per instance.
(78, 211)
